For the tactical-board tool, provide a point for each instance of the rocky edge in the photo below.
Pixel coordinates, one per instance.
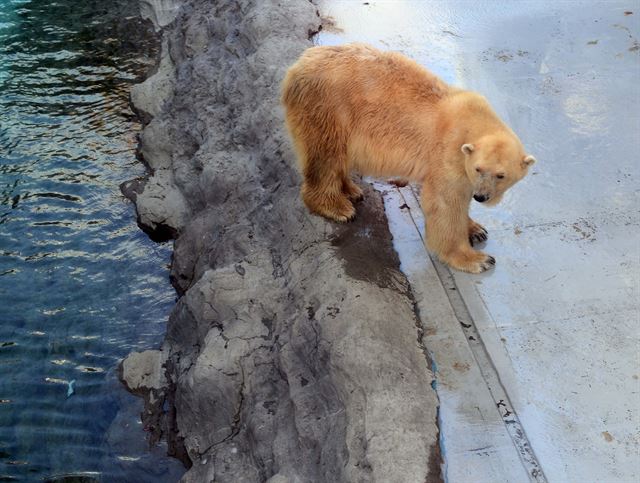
(293, 353)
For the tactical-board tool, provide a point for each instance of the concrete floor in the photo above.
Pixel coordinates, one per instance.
(537, 361)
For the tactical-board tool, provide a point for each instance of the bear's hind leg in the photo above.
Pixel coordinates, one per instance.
(322, 189)
(352, 190)
(477, 232)
(328, 200)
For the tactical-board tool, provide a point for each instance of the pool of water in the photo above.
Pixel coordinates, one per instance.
(80, 285)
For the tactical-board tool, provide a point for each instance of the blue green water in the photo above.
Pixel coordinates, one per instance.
(80, 284)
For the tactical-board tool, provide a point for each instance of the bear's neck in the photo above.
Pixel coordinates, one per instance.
(464, 118)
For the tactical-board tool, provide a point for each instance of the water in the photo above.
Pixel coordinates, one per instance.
(80, 284)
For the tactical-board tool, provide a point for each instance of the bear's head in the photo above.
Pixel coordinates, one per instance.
(494, 163)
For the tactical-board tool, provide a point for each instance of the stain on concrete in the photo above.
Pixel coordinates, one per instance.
(461, 366)
(584, 229)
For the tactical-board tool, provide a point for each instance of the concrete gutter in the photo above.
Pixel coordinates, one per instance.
(482, 437)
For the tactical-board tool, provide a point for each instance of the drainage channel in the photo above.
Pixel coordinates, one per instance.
(482, 438)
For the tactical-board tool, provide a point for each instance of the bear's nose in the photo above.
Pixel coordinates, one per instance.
(480, 198)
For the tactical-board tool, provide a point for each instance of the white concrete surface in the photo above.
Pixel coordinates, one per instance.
(558, 317)
(478, 445)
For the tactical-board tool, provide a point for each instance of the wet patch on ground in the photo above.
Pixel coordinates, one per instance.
(365, 245)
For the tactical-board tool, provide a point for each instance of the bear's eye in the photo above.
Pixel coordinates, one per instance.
(499, 176)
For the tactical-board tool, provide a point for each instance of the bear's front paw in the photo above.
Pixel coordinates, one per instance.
(485, 263)
(488, 263)
(477, 233)
(472, 262)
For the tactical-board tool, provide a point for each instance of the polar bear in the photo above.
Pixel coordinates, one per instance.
(354, 107)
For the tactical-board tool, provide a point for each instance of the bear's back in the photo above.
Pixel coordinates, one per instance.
(359, 74)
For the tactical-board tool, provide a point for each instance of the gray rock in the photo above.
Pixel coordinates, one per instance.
(150, 97)
(161, 206)
(160, 12)
(293, 353)
(156, 145)
(144, 371)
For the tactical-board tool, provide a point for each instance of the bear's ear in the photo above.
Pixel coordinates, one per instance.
(528, 160)
(467, 148)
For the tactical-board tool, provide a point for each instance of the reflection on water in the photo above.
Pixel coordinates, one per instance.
(80, 285)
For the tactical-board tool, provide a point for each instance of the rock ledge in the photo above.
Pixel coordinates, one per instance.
(293, 353)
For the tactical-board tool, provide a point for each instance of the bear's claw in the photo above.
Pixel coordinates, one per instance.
(471, 262)
(477, 233)
(345, 219)
(341, 215)
(478, 237)
(488, 264)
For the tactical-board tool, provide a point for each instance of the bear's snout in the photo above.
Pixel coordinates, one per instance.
(481, 198)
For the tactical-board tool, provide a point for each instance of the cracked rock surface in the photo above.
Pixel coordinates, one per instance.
(293, 353)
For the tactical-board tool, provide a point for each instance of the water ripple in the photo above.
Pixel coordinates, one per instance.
(80, 285)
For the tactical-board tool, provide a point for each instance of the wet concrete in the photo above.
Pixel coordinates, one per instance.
(365, 245)
(557, 318)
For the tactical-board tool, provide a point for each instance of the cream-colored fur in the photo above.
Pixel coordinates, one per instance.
(354, 107)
